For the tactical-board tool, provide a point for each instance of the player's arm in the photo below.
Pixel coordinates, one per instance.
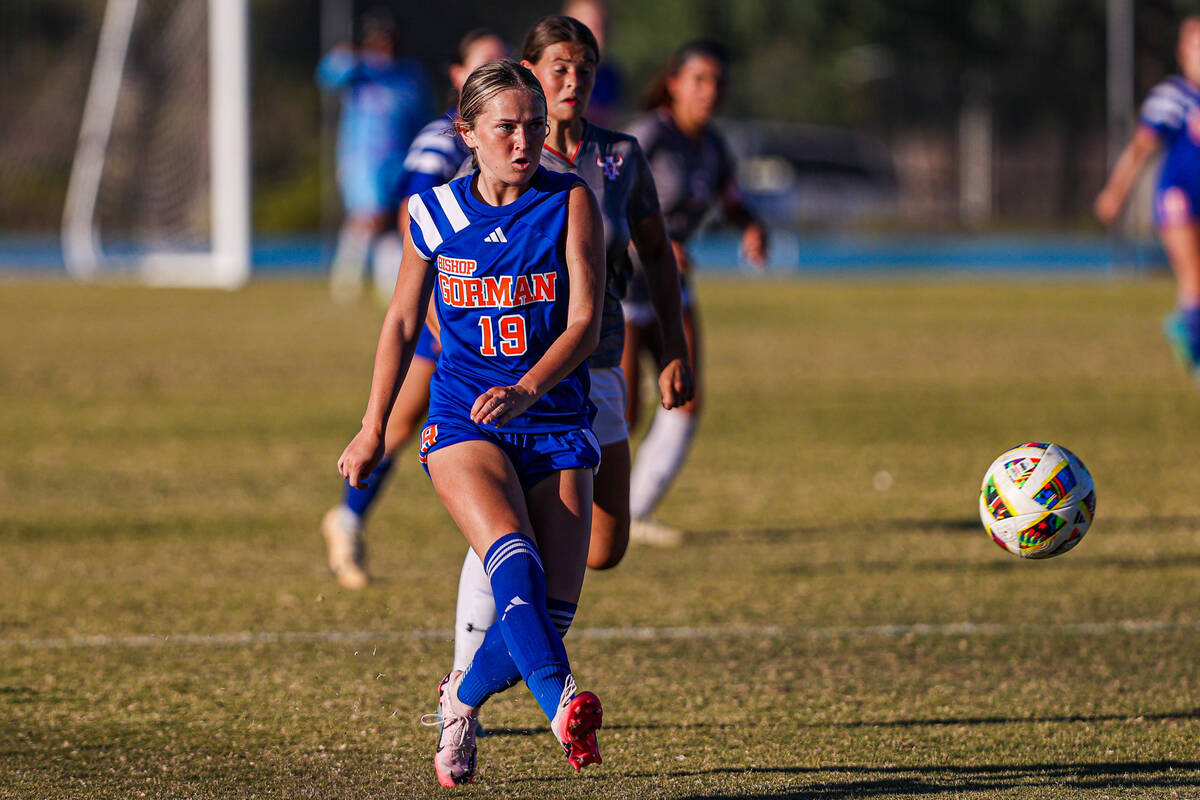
(1129, 166)
(754, 233)
(583, 251)
(337, 67)
(675, 380)
(431, 319)
(397, 341)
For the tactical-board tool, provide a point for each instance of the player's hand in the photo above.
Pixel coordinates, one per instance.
(360, 457)
(754, 245)
(676, 383)
(500, 404)
(1108, 206)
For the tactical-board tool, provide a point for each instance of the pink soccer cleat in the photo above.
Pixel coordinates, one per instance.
(454, 760)
(575, 723)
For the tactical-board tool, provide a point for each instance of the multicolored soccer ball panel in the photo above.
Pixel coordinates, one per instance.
(1037, 500)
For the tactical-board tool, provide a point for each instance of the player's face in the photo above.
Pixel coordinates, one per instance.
(696, 91)
(508, 135)
(1189, 50)
(481, 51)
(567, 73)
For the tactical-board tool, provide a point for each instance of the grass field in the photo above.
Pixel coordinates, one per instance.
(168, 627)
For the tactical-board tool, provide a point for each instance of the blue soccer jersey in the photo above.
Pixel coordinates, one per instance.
(501, 294)
(435, 156)
(1172, 110)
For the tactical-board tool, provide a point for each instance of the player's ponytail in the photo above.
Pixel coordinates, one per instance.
(488, 81)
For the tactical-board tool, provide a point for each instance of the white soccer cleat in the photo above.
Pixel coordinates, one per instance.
(575, 723)
(346, 546)
(454, 760)
(654, 533)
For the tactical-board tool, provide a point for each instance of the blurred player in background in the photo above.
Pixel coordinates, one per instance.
(563, 54)
(514, 255)
(1170, 119)
(606, 89)
(384, 101)
(694, 172)
(433, 159)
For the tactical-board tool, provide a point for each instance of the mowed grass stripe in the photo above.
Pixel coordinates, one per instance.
(634, 633)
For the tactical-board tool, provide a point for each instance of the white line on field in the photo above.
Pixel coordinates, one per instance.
(627, 633)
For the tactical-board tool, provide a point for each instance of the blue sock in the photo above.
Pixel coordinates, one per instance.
(492, 668)
(1191, 324)
(359, 500)
(519, 587)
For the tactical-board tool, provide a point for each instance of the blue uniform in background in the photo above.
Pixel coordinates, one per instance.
(384, 102)
(435, 155)
(501, 294)
(1172, 110)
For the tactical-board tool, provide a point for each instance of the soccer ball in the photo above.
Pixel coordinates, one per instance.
(1037, 500)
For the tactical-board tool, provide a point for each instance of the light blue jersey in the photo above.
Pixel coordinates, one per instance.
(502, 293)
(383, 104)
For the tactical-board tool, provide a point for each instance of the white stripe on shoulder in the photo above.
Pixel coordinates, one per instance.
(420, 214)
(449, 204)
(429, 163)
(434, 140)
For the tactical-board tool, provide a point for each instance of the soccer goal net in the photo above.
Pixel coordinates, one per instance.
(160, 182)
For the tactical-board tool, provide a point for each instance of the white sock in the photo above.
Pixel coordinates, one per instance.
(349, 263)
(385, 264)
(475, 612)
(659, 459)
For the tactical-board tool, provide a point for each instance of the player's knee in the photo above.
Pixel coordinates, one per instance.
(608, 546)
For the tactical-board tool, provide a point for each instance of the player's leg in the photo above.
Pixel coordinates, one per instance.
(560, 508)
(610, 507)
(1182, 244)
(665, 447)
(475, 610)
(343, 526)
(359, 182)
(479, 487)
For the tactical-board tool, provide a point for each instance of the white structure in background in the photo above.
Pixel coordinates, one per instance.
(225, 262)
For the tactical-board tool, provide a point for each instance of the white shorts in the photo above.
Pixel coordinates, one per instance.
(610, 396)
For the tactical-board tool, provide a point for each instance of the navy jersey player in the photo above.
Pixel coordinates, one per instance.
(513, 255)
(1170, 120)
(434, 158)
(694, 172)
(562, 53)
(384, 100)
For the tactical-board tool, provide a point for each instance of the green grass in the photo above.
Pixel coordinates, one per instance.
(167, 455)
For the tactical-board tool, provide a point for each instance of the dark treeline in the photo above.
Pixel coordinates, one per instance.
(882, 66)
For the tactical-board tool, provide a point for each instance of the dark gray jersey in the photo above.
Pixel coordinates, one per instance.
(692, 175)
(615, 168)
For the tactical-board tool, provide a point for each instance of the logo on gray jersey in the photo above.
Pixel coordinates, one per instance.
(611, 165)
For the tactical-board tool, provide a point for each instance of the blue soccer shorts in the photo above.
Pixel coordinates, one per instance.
(534, 456)
(1177, 204)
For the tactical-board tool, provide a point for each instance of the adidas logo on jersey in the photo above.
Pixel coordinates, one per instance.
(496, 236)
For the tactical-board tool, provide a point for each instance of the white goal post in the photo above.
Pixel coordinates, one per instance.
(222, 257)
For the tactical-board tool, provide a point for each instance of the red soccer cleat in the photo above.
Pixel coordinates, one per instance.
(575, 723)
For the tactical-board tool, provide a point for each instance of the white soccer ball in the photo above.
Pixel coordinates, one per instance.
(1037, 500)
